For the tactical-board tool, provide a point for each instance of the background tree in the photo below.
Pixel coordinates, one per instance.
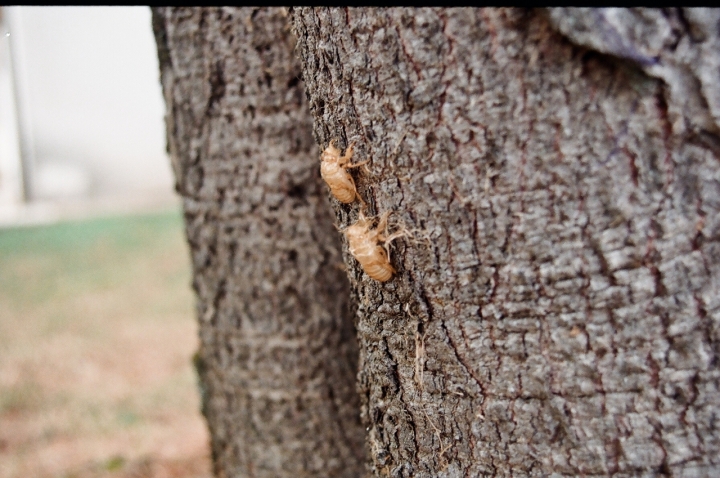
(278, 354)
(556, 308)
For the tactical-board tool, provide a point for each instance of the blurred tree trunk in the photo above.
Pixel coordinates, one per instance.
(557, 309)
(278, 354)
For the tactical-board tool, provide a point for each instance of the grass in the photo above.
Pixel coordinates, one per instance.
(97, 331)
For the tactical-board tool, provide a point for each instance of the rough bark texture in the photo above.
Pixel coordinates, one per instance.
(558, 310)
(278, 356)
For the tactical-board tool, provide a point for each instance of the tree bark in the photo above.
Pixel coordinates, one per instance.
(557, 308)
(278, 355)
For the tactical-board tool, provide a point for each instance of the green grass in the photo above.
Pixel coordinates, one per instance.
(47, 262)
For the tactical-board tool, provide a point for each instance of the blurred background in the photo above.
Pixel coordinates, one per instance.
(97, 327)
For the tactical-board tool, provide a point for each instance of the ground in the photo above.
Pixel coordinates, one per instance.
(97, 334)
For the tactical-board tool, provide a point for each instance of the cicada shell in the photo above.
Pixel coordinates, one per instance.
(365, 246)
(333, 169)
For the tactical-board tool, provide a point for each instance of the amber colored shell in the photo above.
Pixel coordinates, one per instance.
(333, 169)
(364, 246)
(339, 181)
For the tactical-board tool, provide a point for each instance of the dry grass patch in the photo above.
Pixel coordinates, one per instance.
(97, 332)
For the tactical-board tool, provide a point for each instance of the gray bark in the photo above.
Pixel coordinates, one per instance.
(278, 355)
(557, 309)
(680, 46)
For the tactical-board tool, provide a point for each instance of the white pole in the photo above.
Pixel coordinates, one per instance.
(13, 17)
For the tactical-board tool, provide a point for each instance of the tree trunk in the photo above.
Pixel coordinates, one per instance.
(556, 310)
(278, 354)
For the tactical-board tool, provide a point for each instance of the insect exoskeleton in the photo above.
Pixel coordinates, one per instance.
(333, 169)
(364, 244)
